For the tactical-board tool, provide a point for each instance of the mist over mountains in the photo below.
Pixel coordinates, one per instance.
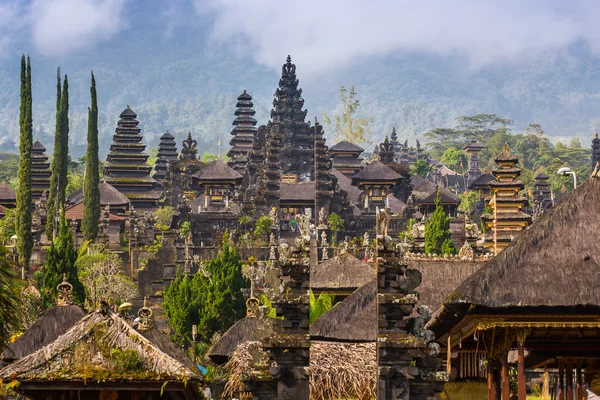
(167, 64)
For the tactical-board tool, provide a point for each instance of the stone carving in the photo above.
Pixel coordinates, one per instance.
(383, 221)
(188, 151)
(322, 219)
(273, 216)
(366, 239)
(145, 317)
(466, 251)
(65, 293)
(324, 239)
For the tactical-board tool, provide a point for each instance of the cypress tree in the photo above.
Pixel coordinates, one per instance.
(23, 221)
(61, 260)
(437, 231)
(91, 193)
(60, 159)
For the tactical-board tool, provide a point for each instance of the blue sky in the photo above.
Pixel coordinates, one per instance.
(321, 34)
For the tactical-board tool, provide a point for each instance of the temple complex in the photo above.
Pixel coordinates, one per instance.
(40, 170)
(126, 165)
(243, 133)
(167, 153)
(507, 219)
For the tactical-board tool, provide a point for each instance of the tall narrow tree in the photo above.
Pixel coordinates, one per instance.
(60, 159)
(91, 193)
(23, 221)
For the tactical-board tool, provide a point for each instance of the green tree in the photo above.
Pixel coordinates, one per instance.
(468, 200)
(61, 261)
(60, 158)
(102, 278)
(91, 193)
(455, 159)
(212, 299)
(8, 225)
(420, 168)
(345, 125)
(319, 305)
(335, 223)
(164, 215)
(262, 227)
(437, 231)
(10, 302)
(23, 221)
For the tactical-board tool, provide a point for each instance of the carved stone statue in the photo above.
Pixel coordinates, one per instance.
(383, 220)
(324, 239)
(466, 252)
(273, 216)
(272, 255)
(322, 220)
(366, 239)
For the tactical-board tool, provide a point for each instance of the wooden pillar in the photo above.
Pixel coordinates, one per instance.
(561, 381)
(545, 385)
(521, 368)
(570, 380)
(490, 379)
(580, 390)
(505, 378)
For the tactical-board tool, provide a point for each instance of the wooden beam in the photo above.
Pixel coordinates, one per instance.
(569, 388)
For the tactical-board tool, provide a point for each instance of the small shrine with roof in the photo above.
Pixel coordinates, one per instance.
(40, 170)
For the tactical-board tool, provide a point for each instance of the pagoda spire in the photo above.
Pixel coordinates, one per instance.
(243, 133)
(394, 139)
(508, 218)
(167, 153)
(386, 151)
(40, 170)
(126, 165)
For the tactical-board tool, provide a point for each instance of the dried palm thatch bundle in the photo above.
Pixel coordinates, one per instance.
(343, 370)
(247, 362)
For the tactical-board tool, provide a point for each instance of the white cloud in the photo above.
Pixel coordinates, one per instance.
(62, 26)
(326, 34)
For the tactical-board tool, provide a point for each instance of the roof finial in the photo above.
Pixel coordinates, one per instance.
(289, 59)
(64, 292)
(596, 135)
(505, 146)
(128, 106)
(145, 317)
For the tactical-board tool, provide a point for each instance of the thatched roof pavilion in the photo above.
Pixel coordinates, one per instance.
(542, 291)
(100, 353)
(340, 275)
(240, 332)
(352, 320)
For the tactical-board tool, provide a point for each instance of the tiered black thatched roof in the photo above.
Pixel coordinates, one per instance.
(297, 191)
(346, 147)
(376, 172)
(425, 191)
(554, 264)
(345, 184)
(341, 272)
(217, 171)
(50, 325)
(352, 320)
(7, 194)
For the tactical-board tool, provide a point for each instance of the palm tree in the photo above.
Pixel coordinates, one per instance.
(319, 305)
(10, 311)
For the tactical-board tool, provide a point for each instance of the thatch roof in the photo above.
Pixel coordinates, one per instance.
(7, 193)
(109, 196)
(345, 184)
(93, 349)
(343, 370)
(376, 172)
(341, 272)
(554, 263)
(482, 181)
(75, 212)
(51, 324)
(240, 332)
(217, 171)
(245, 330)
(297, 191)
(346, 146)
(352, 320)
(168, 347)
(425, 191)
